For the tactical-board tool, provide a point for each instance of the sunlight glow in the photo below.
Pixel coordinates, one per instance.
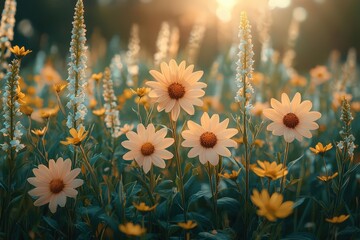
(279, 3)
(224, 9)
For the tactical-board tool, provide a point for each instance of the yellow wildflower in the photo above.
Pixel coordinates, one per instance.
(338, 219)
(31, 91)
(126, 128)
(271, 170)
(127, 93)
(257, 78)
(92, 103)
(320, 149)
(355, 106)
(141, 92)
(327, 178)
(259, 143)
(20, 96)
(131, 229)
(25, 109)
(77, 137)
(39, 132)
(48, 112)
(97, 76)
(142, 207)
(187, 225)
(59, 87)
(271, 207)
(233, 175)
(19, 52)
(99, 112)
(298, 81)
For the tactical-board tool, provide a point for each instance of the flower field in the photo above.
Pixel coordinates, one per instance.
(158, 147)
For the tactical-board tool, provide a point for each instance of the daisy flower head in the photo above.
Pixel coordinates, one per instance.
(291, 119)
(147, 147)
(176, 87)
(209, 140)
(54, 183)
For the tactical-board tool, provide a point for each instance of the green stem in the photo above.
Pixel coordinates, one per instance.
(284, 165)
(179, 170)
(209, 172)
(92, 173)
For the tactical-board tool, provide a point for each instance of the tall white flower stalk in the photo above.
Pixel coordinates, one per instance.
(132, 56)
(116, 67)
(162, 44)
(7, 30)
(76, 70)
(8, 20)
(196, 37)
(245, 63)
(12, 129)
(243, 77)
(112, 120)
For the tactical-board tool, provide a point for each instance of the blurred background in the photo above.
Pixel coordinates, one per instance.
(321, 25)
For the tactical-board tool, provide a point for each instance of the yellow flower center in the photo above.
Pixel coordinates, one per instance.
(208, 140)
(56, 185)
(176, 91)
(290, 120)
(147, 149)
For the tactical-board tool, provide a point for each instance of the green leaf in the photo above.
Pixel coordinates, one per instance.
(199, 195)
(298, 202)
(165, 188)
(228, 204)
(292, 163)
(300, 235)
(52, 223)
(349, 230)
(352, 169)
(2, 185)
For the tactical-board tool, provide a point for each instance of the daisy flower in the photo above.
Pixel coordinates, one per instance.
(291, 119)
(147, 147)
(176, 86)
(54, 184)
(210, 139)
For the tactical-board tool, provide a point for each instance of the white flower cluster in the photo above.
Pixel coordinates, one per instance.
(162, 44)
(112, 120)
(132, 55)
(245, 63)
(8, 21)
(116, 67)
(77, 67)
(11, 109)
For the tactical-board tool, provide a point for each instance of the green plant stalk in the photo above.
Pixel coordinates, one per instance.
(92, 173)
(298, 190)
(283, 179)
(178, 163)
(60, 103)
(341, 173)
(213, 193)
